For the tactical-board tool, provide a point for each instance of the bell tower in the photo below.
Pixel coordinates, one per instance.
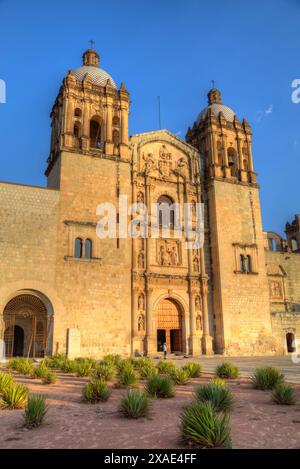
(90, 115)
(235, 231)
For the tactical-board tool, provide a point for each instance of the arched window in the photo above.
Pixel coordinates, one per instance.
(78, 112)
(166, 214)
(290, 342)
(294, 244)
(273, 245)
(95, 133)
(88, 249)
(248, 264)
(78, 248)
(242, 263)
(231, 153)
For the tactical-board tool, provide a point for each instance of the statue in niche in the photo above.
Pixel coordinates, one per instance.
(140, 198)
(149, 163)
(276, 291)
(141, 323)
(196, 264)
(141, 302)
(164, 256)
(141, 260)
(198, 322)
(174, 256)
(197, 303)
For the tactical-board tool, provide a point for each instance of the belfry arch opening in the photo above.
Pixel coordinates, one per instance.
(290, 342)
(26, 327)
(169, 326)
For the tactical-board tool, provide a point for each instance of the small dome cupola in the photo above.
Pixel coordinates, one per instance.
(90, 58)
(214, 96)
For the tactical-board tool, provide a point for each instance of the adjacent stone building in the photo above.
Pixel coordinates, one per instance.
(63, 289)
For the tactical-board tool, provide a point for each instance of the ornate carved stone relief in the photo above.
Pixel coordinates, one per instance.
(168, 252)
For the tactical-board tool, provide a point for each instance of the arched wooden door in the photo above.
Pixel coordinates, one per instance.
(169, 326)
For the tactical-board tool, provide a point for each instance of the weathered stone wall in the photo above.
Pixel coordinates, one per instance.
(284, 281)
(241, 301)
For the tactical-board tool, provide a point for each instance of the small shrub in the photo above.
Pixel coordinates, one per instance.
(227, 370)
(220, 397)
(40, 372)
(218, 381)
(160, 386)
(126, 363)
(5, 380)
(200, 424)
(284, 394)
(193, 369)
(83, 368)
(134, 405)
(144, 361)
(127, 376)
(49, 378)
(181, 376)
(105, 371)
(166, 368)
(21, 365)
(147, 371)
(96, 391)
(91, 361)
(113, 359)
(267, 378)
(55, 361)
(14, 396)
(35, 411)
(68, 366)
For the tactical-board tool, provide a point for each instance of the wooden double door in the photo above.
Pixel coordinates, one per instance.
(169, 326)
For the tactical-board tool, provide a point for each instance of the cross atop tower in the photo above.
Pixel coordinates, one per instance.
(213, 82)
(92, 42)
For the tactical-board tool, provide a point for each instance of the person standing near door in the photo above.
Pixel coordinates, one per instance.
(165, 350)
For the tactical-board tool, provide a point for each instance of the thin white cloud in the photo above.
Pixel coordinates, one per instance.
(266, 112)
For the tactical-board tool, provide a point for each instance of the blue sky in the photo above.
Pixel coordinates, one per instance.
(171, 48)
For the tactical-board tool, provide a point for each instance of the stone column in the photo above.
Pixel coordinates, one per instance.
(69, 122)
(109, 143)
(206, 339)
(137, 340)
(148, 205)
(243, 173)
(86, 127)
(195, 344)
(151, 346)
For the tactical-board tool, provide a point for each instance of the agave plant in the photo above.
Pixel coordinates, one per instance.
(202, 425)
(146, 371)
(127, 376)
(181, 376)
(49, 378)
(105, 371)
(83, 368)
(227, 370)
(193, 369)
(96, 390)
(5, 380)
(40, 371)
(166, 368)
(160, 386)
(220, 397)
(14, 396)
(35, 411)
(134, 405)
(267, 378)
(284, 394)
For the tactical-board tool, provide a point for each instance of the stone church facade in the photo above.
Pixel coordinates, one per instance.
(65, 290)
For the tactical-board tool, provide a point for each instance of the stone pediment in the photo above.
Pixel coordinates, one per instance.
(275, 269)
(163, 155)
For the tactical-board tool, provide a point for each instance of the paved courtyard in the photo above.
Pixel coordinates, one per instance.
(248, 364)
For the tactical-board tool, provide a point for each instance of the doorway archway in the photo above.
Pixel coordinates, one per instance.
(26, 325)
(290, 342)
(169, 325)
